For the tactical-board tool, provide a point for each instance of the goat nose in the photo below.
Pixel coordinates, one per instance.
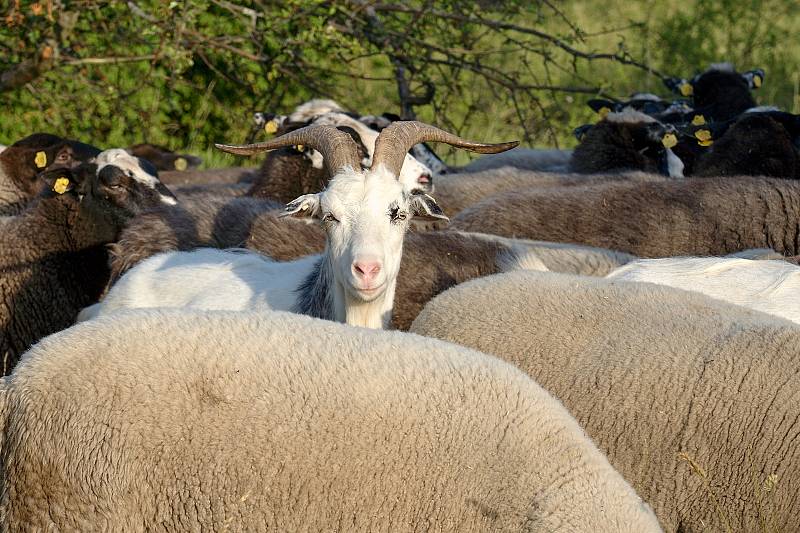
(366, 270)
(424, 178)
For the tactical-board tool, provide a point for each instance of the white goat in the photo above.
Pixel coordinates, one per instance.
(365, 215)
(769, 286)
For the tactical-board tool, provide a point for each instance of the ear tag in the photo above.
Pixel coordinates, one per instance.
(699, 120)
(705, 143)
(181, 164)
(703, 135)
(60, 186)
(757, 81)
(686, 89)
(40, 160)
(271, 126)
(669, 140)
(603, 112)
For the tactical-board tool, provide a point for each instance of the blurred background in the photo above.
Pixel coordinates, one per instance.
(187, 73)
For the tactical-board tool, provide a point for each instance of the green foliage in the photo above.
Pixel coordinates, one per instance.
(186, 73)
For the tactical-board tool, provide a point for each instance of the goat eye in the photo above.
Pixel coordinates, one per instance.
(328, 218)
(396, 215)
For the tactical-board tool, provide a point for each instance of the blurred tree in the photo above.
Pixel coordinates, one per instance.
(188, 72)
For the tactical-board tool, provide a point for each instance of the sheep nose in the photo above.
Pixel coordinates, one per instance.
(366, 270)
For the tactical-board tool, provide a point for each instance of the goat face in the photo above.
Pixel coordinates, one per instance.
(365, 217)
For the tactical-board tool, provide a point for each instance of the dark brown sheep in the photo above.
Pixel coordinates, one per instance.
(164, 158)
(55, 260)
(22, 162)
(695, 216)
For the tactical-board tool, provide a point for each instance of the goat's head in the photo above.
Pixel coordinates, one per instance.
(365, 213)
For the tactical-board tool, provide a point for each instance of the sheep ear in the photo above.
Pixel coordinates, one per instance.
(754, 78)
(424, 207)
(306, 206)
(680, 86)
(602, 107)
(581, 131)
(59, 181)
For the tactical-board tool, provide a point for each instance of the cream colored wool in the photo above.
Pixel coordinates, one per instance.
(653, 372)
(277, 422)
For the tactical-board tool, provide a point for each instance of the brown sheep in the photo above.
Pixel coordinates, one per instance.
(695, 216)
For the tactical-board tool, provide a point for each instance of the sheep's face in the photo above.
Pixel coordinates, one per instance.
(365, 217)
(128, 183)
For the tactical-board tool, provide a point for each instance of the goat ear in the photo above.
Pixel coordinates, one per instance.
(754, 78)
(306, 206)
(424, 207)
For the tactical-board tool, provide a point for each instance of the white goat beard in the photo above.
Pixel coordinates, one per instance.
(375, 314)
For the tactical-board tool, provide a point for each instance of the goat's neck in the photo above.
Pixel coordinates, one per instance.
(376, 314)
(321, 295)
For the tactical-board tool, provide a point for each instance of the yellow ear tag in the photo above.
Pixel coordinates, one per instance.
(757, 81)
(60, 186)
(299, 147)
(669, 140)
(705, 143)
(703, 135)
(181, 164)
(603, 112)
(271, 127)
(699, 120)
(40, 160)
(687, 89)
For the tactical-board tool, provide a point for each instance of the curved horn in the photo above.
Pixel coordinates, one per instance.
(397, 139)
(337, 147)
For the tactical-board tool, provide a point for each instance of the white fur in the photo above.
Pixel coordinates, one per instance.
(2, 147)
(313, 108)
(630, 116)
(130, 165)
(769, 286)
(721, 67)
(645, 96)
(762, 109)
(674, 164)
(361, 229)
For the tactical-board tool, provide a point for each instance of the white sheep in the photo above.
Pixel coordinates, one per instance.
(184, 421)
(770, 286)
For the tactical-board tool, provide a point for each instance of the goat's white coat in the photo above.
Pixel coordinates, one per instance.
(2, 147)
(769, 286)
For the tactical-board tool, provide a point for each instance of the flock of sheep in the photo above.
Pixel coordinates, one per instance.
(602, 339)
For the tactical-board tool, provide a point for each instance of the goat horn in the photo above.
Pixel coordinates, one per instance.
(337, 147)
(396, 140)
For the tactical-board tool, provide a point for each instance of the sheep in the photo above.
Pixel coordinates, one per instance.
(365, 215)
(333, 426)
(163, 158)
(720, 93)
(769, 286)
(756, 144)
(209, 176)
(543, 160)
(628, 140)
(694, 401)
(21, 163)
(290, 172)
(431, 262)
(694, 216)
(456, 192)
(54, 259)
